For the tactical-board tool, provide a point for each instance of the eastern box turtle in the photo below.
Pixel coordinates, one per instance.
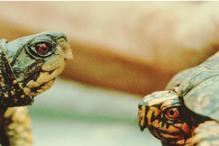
(28, 66)
(187, 112)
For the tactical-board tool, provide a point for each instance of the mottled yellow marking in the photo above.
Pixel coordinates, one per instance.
(33, 84)
(152, 110)
(15, 82)
(141, 115)
(20, 124)
(12, 93)
(27, 91)
(6, 95)
(149, 114)
(181, 142)
(40, 91)
(2, 84)
(172, 129)
(156, 123)
(179, 125)
(168, 135)
(160, 124)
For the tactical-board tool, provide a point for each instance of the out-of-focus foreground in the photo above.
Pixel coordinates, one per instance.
(128, 46)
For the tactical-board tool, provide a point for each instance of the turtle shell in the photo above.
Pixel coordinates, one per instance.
(199, 87)
(179, 78)
(204, 98)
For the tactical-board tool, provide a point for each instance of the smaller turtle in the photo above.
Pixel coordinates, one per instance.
(187, 112)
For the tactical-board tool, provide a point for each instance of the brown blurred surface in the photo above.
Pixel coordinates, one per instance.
(134, 47)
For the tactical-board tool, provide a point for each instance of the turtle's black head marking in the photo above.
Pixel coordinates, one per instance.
(32, 63)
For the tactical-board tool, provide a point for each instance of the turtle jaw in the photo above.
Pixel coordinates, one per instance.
(176, 139)
(28, 95)
(34, 88)
(43, 81)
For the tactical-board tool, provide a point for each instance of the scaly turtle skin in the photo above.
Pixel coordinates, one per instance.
(187, 112)
(28, 67)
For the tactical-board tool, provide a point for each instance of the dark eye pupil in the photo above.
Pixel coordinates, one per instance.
(171, 112)
(42, 48)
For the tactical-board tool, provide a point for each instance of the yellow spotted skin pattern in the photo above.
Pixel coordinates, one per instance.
(186, 113)
(16, 127)
(28, 66)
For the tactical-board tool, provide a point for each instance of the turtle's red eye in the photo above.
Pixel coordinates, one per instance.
(42, 48)
(172, 113)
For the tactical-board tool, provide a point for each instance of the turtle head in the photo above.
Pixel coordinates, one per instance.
(163, 114)
(37, 60)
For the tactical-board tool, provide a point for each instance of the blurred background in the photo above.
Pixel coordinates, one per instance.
(122, 51)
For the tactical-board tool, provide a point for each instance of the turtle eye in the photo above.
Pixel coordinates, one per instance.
(42, 48)
(172, 113)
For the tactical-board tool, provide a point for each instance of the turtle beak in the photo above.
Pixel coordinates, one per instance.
(66, 48)
(142, 117)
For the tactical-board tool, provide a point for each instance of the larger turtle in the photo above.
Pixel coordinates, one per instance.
(28, 67)
(187, 112)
